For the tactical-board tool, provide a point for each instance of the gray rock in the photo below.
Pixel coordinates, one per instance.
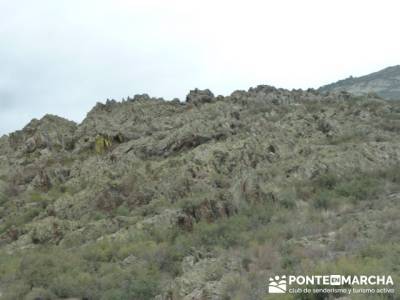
(197, 96)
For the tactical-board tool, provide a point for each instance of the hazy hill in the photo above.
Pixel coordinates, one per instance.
(385, 83)
(154, 199)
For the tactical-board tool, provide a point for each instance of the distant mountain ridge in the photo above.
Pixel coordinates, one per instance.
(385, 83)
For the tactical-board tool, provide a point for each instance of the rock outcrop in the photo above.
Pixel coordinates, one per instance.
(204, 199)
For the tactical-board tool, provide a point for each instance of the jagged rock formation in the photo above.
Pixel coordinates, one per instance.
(385, 83)
(181, 200)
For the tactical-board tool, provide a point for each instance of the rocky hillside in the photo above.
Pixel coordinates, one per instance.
(154, 199)
(385, 83)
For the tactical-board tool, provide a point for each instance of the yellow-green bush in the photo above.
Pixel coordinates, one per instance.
(102, 144)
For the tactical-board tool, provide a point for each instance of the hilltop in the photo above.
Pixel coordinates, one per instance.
(385, 83)
(155, 199)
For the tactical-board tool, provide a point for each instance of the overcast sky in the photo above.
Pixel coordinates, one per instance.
(63, 56)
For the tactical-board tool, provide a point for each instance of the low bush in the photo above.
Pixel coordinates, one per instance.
(324, 200)
(329, 191)
(360, 188)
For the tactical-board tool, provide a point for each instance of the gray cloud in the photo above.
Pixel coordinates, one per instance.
(63, 56)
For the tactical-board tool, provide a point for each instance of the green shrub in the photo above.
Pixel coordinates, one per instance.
(38, 269)
(141, 288)
(73, 283)
(3, 198)
(219, 233)
(19, 219)
(9, 265)
(323, 200)
(102, 251)
(38, 199)
(330, 189)
(141, 284)
(288, 199)
(39, 293)
(115, 294)
(327, 181)
(122, 211)
(360, 188)
(16, 290)
(392, 174)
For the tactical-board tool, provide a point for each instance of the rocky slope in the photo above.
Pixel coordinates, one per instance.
(154, 199)
(385, 83)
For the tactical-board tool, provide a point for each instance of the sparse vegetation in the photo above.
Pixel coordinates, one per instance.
(210, 197)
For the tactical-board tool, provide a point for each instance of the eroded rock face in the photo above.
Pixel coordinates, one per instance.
(50, 132)
(227, 145)
(200, 96)
(145, 171)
